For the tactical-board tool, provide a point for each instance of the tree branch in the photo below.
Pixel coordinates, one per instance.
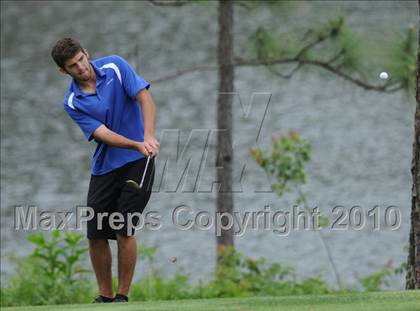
(286, 76)
(184, 72)
(300, 64)
(324, 65)
(334, 58)
(241, 62)
(298, 55)
(345, 76)
(169, 2)
(310, 46)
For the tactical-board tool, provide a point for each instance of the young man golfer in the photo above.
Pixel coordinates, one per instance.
(111, 104)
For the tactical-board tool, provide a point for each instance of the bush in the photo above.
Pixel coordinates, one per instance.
(154, 286)
(50, 275)
(377, 280)
(237, 276)
(242, 276)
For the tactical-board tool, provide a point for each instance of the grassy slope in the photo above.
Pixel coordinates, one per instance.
(380, 301)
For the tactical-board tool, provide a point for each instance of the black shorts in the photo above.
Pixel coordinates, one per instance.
(110, 193)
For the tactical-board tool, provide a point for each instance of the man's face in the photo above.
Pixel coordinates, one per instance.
(78, 67)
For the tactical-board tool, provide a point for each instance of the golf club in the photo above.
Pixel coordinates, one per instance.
(133, 183)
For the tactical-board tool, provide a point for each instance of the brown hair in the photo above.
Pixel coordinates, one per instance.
(65, 49)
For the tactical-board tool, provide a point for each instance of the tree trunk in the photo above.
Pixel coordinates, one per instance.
(224, 122)
(413, 264)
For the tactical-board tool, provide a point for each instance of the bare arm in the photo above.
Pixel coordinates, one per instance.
(149, 115)
(109, 137)
(149, 112)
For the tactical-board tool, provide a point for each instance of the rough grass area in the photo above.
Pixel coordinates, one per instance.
(380, 301)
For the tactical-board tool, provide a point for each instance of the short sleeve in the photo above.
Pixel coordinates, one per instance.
(131, 81)
(87, 124)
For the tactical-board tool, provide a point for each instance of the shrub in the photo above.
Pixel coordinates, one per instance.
(52, 274)
(238, 275)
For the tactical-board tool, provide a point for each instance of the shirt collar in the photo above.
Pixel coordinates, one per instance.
(99, 72)
(99, 75)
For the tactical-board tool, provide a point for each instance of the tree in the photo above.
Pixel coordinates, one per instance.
(224, 123)
(413, 262)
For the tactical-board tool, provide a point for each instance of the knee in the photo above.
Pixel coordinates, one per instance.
(98, 243)
(125, 240)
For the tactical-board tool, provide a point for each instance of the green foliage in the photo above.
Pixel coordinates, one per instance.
(31, 286)
(377, 280)
(153, 286)
(285, 162)
(374, 281)
(336, 45)
(236, 276)
(147, 253)
(332, 42)
(265, 46)
(52, 274)
(332, 28)
(401, 269)
(401, 62)
(346, 44)
(59, 256)
(239, 276)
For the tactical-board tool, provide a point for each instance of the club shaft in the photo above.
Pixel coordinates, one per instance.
(144, 173)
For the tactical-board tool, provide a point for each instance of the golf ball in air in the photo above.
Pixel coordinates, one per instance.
(383, 75)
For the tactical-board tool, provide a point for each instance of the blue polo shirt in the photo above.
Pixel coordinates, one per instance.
(114, 105)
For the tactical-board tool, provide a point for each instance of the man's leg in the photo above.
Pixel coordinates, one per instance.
(127, 256)
(101, 258)
(132, 200)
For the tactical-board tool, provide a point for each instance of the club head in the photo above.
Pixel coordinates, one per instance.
(133, 184)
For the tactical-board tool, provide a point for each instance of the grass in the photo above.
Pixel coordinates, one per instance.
(380, 301)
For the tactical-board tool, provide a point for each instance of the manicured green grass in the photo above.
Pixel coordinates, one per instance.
(380, 301)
